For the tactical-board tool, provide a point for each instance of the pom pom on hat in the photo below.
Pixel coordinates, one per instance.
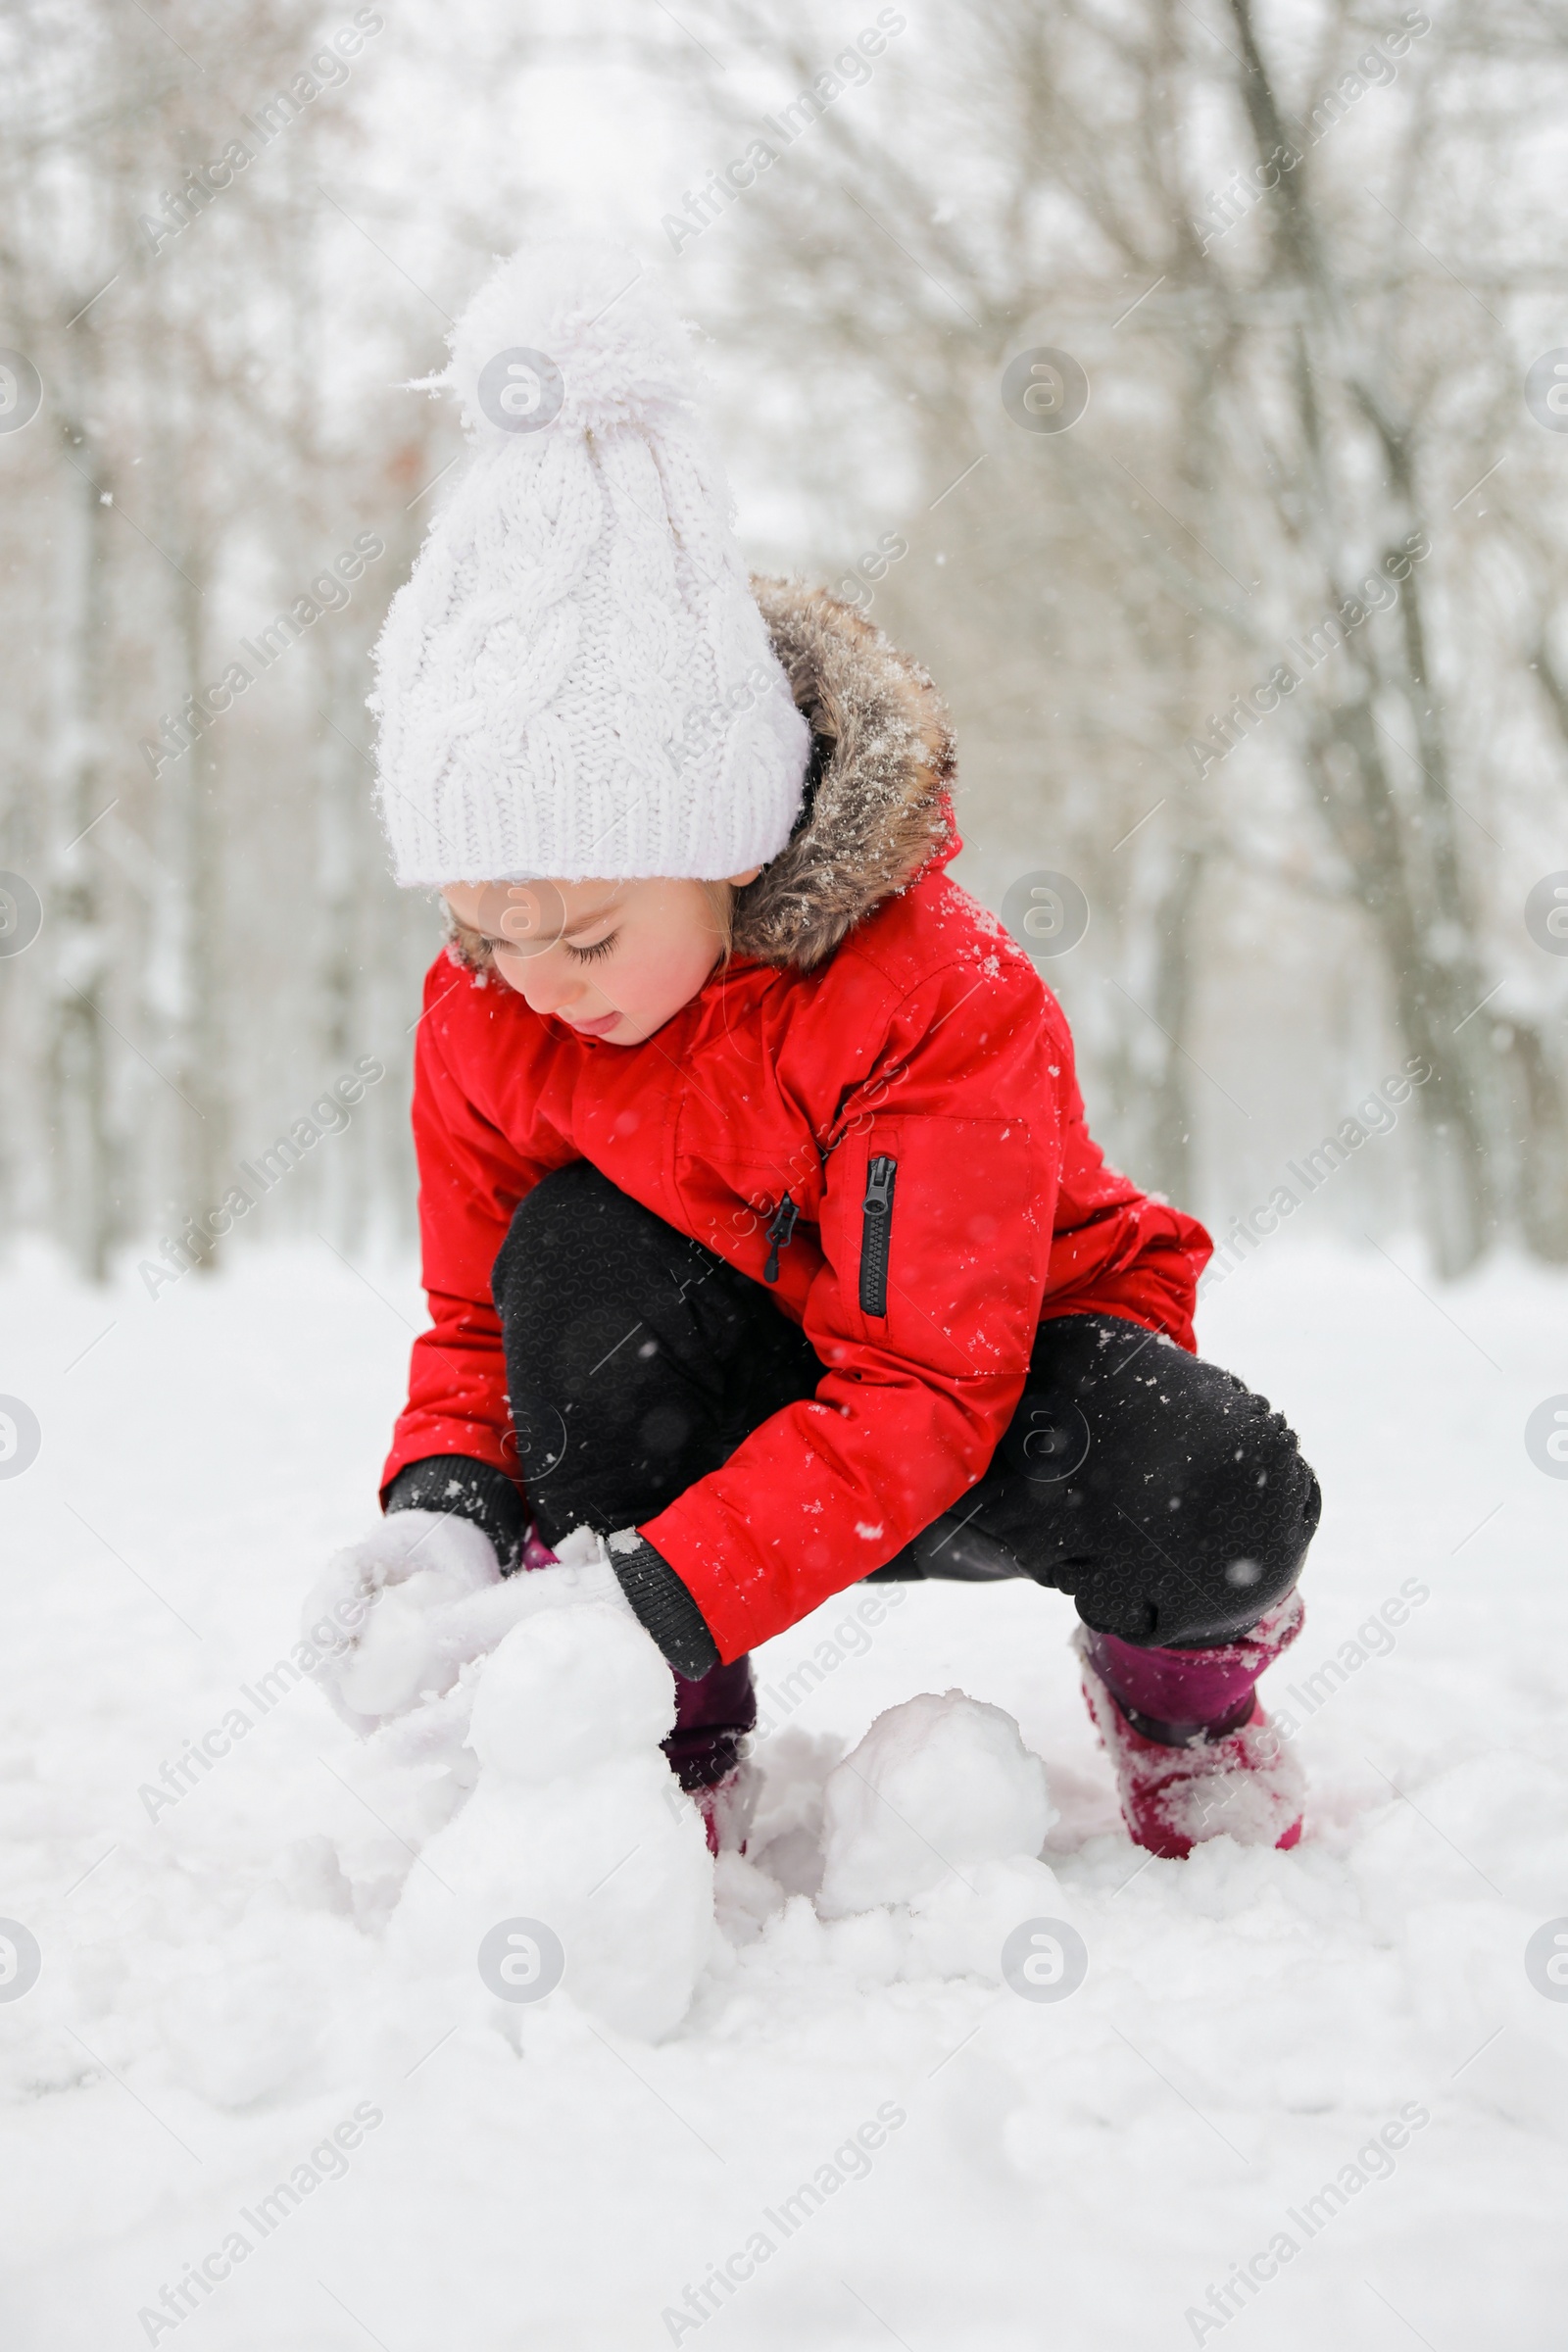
(576, 681)
(619, 355)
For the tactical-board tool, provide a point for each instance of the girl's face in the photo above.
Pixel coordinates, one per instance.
(614, 959)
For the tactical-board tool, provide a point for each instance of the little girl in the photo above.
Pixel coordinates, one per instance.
(763, 1231)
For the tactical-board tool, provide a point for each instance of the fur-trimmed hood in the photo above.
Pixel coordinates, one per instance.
(878, 809)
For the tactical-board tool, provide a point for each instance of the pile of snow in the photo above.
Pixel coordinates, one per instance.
(935, 1785)
(526, 1711)
(574, 1826)
(570, 1856)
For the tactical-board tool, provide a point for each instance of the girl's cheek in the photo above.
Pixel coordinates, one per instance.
(670, 975)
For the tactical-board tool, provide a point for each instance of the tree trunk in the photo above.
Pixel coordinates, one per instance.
(77, 1057)
(192, 807)
(1404, 856)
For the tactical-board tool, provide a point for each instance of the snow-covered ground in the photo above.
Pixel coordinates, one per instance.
(1330, 2064)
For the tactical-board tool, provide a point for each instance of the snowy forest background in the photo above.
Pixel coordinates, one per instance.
(1296, 369)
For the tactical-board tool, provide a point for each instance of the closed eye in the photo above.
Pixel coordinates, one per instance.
(503, 947)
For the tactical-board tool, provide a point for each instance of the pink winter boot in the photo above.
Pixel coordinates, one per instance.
(727, 1809)
(1195, 1755)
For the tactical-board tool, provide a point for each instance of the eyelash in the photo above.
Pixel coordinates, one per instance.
(601, 947)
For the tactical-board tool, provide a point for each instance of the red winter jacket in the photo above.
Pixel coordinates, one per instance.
(873, 1037)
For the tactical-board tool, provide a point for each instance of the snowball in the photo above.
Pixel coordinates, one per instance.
(615, 1864)
(935, 1784)
(567, 1690)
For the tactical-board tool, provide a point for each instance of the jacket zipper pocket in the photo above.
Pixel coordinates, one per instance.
(876, 1227)
(780, 1233)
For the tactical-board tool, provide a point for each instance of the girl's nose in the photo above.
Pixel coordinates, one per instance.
(550, 987)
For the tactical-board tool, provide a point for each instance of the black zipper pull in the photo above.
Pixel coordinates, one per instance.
(780, 1233)
(876, 1228)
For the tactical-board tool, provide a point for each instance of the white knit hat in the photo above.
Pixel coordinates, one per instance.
(575, 680)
